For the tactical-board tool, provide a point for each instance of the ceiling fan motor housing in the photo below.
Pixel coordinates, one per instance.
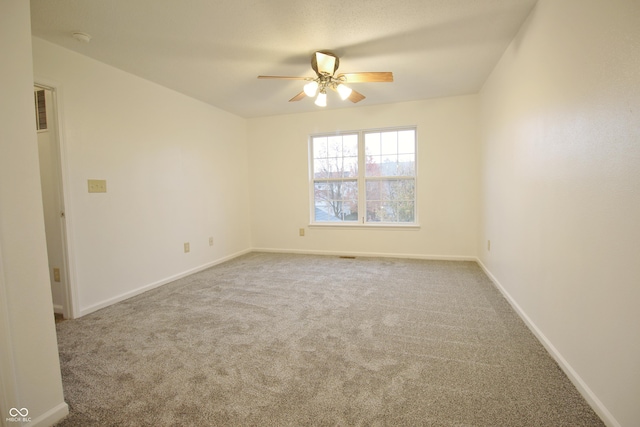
(326, 58)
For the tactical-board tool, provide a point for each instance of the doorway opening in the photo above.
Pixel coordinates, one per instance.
(49, 153)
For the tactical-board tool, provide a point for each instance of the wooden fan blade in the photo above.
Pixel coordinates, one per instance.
(298, 97)
(356, 96)
(375, 77)
(284, 77)
(325, 63)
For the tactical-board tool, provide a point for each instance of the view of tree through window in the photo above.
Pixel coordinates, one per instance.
(335, 171)
(371, 169)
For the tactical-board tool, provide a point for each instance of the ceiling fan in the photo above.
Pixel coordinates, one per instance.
(325, 64)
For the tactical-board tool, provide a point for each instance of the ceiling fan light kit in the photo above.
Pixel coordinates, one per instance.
(325, 64)
(344, 91)
(321, 100)
(311, 88)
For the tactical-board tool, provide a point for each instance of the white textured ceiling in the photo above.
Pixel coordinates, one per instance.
(214, 50)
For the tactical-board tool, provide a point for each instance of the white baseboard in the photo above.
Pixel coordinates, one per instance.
(369, 254)
(50, 417)
(148, 287)
(577, 381)
(58, 309)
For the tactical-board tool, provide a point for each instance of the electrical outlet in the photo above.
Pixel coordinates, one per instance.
(488, 245)
(56, 275)
(210, 241)
(187, 247)
(301, 232)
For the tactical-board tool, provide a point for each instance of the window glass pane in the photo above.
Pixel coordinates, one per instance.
(335, 156)
(374, 211)
(389, 142)
(349, 190)
(372, 144)
(402, 189)
(406, 141)
(321, 168)
(406, 212)
(389, 166)
(322, 210)
(382, 150)
(378, 211)
(372, 165)
(350, 145)
(374, 191)
(406, 165)
(321, 191)
(335, 167)
(336, 201)
(391, 200)
(335, 146)
(387, 190)
(319, 148)
(350, 169)
(387, 212)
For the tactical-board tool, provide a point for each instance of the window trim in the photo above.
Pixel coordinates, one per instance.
(362, 223)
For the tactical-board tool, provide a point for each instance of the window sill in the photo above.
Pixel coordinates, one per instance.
(404, 227)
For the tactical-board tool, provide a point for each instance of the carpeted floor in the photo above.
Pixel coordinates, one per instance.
(293, 340)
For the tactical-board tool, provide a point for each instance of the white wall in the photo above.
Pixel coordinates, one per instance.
(176, 172)
(448, 175)
(29, 366)
(561, 190)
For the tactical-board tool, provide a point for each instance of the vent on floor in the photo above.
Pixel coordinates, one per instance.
(347, 257)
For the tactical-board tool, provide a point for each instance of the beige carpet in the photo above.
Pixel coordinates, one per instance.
(292, 340)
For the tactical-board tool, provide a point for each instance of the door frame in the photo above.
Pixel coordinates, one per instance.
(8, 384)
(70, 309)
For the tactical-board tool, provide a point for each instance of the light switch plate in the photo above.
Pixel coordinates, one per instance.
(97, 185)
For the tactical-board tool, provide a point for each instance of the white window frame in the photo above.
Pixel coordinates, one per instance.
(361, 179)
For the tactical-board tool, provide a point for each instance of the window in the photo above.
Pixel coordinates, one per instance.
(41, 110)
(374, 169)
